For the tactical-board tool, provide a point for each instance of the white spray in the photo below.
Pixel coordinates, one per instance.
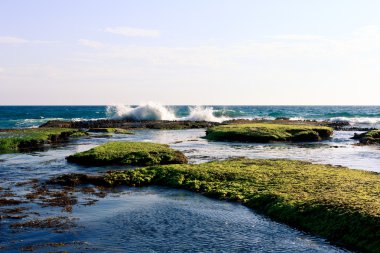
(155, 111)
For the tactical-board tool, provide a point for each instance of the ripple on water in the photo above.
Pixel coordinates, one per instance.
(157, 219)
(164, 220)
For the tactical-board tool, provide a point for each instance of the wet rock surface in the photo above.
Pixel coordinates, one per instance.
(127, 124)
(21, 214)
(368, 138)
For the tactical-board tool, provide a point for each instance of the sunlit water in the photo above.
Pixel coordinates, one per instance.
(34, 116)
(156, 219)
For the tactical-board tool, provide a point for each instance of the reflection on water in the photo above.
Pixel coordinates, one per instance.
(340, 150)
(163, 220)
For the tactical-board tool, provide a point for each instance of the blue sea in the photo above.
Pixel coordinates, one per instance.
(159, 219)
(33, 116)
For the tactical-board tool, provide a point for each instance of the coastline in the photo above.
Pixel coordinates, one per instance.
(104, 130)
(337, 203)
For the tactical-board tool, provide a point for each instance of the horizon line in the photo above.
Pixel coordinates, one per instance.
(3, 105)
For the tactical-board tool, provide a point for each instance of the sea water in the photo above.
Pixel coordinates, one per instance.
(33, 116)
(159, 219)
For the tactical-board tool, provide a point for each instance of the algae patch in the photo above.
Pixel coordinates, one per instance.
(15, 140)
(267, 132)
(110, 130)
(370, 137)
(129, 153)
(58, 224)
(340, 204)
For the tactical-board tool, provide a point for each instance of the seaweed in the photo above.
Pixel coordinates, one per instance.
(370, 137)
(58, 224)
(268, 132)
(129, 153)
(18, 140)
(334, 202)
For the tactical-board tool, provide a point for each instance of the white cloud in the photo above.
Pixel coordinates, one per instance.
(2, 73)
(91, 43)
(12, 40)
(332, 66)
(291, 49)
(299, 37)
(133, 32)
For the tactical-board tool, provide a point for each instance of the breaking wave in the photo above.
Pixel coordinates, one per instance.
(32, 123)
(35, 123)
(155, 111)
(357, 120)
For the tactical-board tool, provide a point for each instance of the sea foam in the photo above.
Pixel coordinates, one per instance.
(357, 120)
(155, 111)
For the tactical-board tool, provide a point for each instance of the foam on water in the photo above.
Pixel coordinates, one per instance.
(155, 111)
(33, 123)
(357, 120)
(34, 116)
(148, 111)
(200, 113)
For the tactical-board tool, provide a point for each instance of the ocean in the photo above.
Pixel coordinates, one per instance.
(33, 116)
(159, 219)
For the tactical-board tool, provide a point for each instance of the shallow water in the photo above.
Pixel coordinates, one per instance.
(157, 219)
(339, 150)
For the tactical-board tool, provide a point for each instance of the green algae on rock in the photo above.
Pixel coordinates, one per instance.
(267, 132)
(370, 137)
(340, 204)
(79, 134)
(110, 130)
(129, 153)
(128, 124)
(15, 140)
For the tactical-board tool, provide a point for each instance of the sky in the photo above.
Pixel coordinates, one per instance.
(199, 52)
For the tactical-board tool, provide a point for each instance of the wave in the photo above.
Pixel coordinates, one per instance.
(339, 115)
(297, 119)
(155, 111)
(33, 123)
(356, 120)
(148, 111)
(229, 113)
(199, 113)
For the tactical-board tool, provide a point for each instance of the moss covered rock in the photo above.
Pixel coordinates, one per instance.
(129, 153)
(337, 203)
(267, 132)
(79, 134)
(110, 130)
(14, 140)
(370, 137)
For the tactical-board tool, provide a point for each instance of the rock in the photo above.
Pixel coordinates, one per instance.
(129, 153)
(15, 140)
(367, 138)
(127, 124)
(267, 132)
(306, 136)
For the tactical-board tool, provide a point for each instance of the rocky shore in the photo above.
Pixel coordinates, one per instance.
(168, 125)
(269, 132)
(16, 140)
(337, 203)
(368, 138)
(129, 153)
(127, 124)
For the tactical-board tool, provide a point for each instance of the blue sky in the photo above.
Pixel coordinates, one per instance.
(190, 52)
